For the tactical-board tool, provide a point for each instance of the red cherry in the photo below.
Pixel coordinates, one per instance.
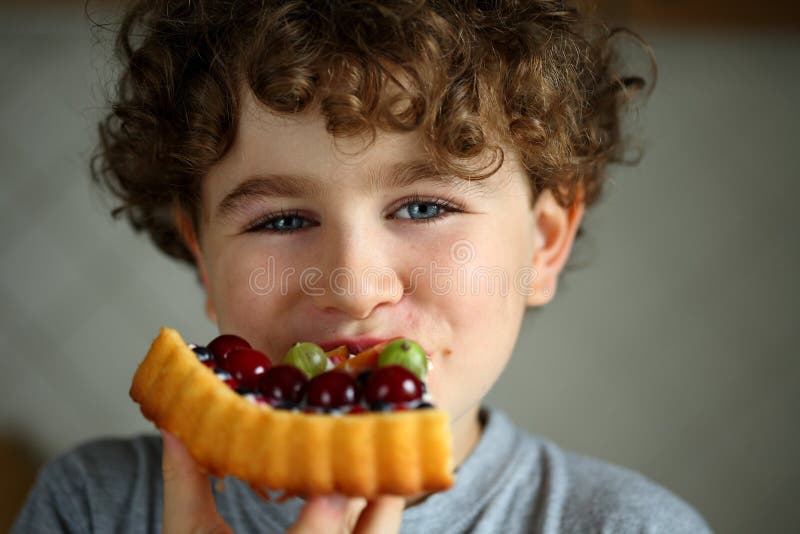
(222, 345)
(246, 366)
(332, 389)
(283, 383)
(392, 384)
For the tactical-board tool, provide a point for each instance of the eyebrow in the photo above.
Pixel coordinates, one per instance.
(398, 176)
(266, 185)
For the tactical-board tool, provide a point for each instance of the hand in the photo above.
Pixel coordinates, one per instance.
(189, 504)
(338, 514)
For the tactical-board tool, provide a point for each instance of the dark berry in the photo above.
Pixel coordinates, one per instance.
(202, 353)
(255, 398)
(381, 407)
(363, 378)
(247, 366)
(283, 383)
(394, 384)
(222, 345)
(280, 404)
(221, 373)
(226, 377)
(332, 389)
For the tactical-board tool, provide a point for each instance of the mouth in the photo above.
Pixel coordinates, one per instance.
(354, 345)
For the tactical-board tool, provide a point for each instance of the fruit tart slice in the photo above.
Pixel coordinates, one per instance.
(319, 423)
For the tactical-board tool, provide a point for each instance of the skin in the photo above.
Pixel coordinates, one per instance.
(352, 224)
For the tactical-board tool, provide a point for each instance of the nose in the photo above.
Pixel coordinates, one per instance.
(357, 273)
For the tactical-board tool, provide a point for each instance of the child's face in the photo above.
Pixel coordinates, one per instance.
(358, 241)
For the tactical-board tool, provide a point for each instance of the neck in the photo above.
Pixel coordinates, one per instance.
(466, 433)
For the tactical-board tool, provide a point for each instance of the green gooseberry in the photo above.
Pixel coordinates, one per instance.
(308, 357)
(406, 353)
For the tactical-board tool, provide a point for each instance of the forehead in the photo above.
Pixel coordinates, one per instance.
(300, 145)
(299, 157)
(302, 140)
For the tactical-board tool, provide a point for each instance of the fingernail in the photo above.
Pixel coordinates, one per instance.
(167, 439)
(336, 501)
(171, 443)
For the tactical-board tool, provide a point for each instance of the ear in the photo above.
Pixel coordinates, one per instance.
(555, 229)
(189, 236)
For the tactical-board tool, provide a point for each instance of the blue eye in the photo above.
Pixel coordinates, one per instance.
(282, 223)
(425, 210)
(418, 210)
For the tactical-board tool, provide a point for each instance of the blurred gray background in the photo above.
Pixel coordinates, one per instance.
(671, 349)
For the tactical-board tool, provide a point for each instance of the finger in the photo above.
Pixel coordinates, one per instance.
(353, 511)
(321, 515)
(381, 516)
(188, 501)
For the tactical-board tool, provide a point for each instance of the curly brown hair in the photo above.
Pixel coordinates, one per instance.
(537, 76)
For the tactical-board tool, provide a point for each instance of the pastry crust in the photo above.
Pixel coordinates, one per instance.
(400, 453)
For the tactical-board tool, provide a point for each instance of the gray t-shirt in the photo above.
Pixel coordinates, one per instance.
(510, 483)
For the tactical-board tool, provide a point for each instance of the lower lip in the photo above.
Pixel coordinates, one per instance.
(354, 348)
(368, 344)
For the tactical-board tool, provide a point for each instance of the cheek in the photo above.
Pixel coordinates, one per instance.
(247, 288)
(479, 301)
(487, 312)
(484, 328)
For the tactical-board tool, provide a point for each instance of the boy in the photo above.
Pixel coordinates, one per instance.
(427, 142)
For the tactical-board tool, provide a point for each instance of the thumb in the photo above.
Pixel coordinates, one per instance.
(382, 515)
(188, 501)
(321, 514)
